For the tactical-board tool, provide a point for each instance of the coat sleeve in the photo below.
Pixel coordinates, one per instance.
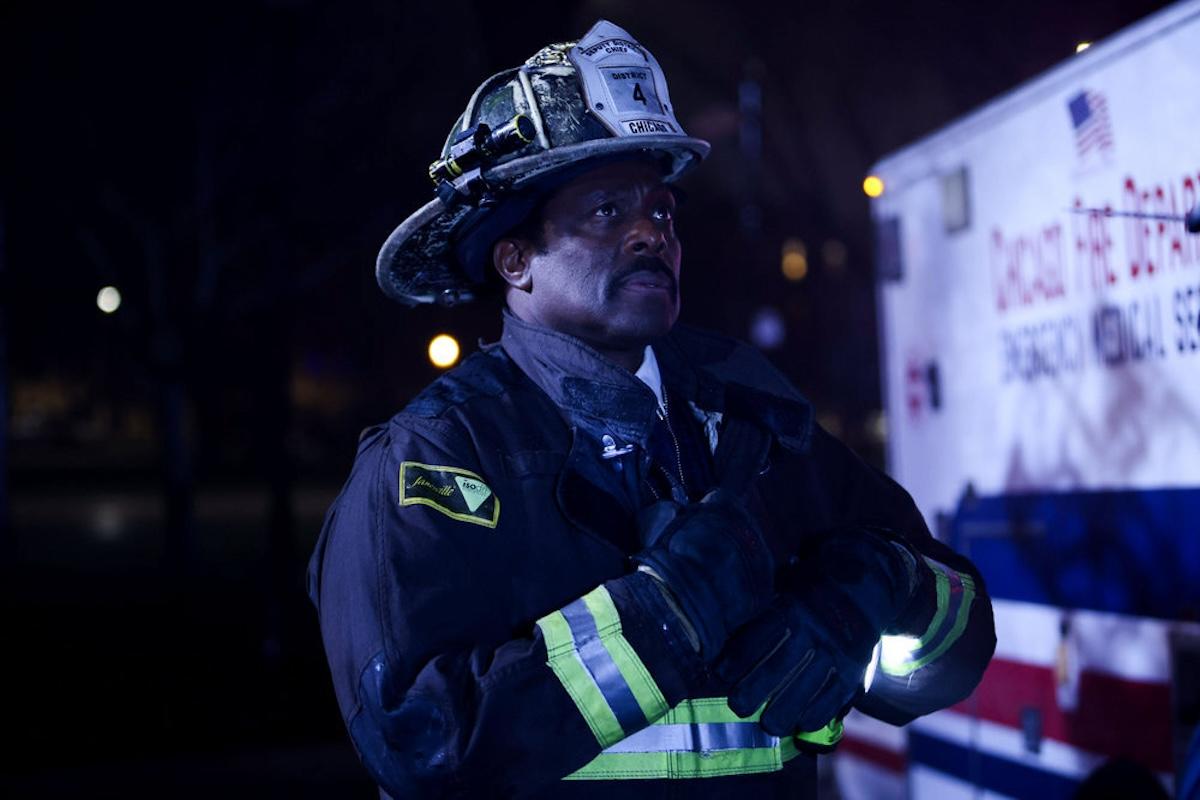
(438, 701)
(936, 652)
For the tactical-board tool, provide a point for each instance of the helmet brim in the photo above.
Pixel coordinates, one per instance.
(416, 265)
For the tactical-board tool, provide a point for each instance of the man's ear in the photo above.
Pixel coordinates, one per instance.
(510, 257)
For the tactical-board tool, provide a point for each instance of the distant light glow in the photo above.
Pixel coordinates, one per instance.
(767, 329)
(831, 421)
(877, 426)
(1079, 48)
(108, 522)
(873, 185)
(443, 350)
(108, 300)
(794, 263)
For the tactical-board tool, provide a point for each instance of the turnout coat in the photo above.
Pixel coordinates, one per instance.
(486, 631)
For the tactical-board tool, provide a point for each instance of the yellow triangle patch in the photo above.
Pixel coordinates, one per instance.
(473, 491)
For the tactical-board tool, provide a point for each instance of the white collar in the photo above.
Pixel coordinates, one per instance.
(648, 374)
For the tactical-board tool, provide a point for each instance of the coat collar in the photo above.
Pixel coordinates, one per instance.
(713, 373)
(592, 391)
(718, 374)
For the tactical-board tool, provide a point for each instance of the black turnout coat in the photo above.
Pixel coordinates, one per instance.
(486, 506)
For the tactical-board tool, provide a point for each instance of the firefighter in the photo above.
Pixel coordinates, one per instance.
(611, 555)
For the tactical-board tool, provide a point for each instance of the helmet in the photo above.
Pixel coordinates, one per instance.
(524, 132)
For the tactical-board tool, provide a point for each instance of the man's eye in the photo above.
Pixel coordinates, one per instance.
(606, 210)
(663, 213)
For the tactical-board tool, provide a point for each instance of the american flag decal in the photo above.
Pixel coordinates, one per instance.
(1093, 128)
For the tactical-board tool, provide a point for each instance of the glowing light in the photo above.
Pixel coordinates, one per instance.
(831, 421)
(873, 185)
(877, 427)
(795, 260)
(108, 300)
(108, 523)
(895, 652)
(869, 677)
(1079, 48)
(443, 350)
(767, 329)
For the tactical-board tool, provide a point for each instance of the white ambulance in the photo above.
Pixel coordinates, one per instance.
(1042, 395)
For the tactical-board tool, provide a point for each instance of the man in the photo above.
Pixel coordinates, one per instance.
(611, 555)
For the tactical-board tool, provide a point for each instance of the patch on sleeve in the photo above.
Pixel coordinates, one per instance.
(455, 492)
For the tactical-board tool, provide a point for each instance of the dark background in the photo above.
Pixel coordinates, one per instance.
(233, 169)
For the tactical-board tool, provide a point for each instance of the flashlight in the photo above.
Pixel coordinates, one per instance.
(475, 147)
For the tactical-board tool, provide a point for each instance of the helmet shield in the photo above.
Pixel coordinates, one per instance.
(623, 85)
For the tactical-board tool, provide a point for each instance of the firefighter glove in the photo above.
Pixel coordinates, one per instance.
(807, 655)
(714, 562)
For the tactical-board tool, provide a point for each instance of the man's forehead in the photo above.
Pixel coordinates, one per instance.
(625, 175)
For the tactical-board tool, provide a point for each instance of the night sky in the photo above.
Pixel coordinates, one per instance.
(233, 169)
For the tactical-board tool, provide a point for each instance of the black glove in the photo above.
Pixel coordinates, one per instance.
(712, 558)
(806, 656)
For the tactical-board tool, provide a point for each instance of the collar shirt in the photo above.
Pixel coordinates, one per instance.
(649, 374)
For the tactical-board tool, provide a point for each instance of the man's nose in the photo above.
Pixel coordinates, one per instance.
(646, 237)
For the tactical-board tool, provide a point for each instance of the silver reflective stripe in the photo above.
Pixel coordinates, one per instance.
(695, 738)
(699, 738)
(600, 665)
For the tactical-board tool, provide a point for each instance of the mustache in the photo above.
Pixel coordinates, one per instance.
(650, 264)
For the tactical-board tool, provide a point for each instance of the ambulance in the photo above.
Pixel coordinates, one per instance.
(1039, 307)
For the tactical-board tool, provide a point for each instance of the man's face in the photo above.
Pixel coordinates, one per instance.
(607, 270)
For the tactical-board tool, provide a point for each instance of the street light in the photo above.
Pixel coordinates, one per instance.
(794, 260)
(108, 300)
(443, 350)
(873, 185)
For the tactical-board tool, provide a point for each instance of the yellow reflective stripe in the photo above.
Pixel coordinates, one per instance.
(705, 710)
(942, 590)
(828, 736)
(564, 662)
(960, 624)
(708, 710)
(672, 765)
(955, 593)
(682, 734)
(594, 662)
(788, 749)
(608, 622)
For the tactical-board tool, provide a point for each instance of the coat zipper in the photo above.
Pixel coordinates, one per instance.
(664, 415)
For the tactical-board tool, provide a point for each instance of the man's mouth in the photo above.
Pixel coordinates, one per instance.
(648, 280)
(651, 275)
